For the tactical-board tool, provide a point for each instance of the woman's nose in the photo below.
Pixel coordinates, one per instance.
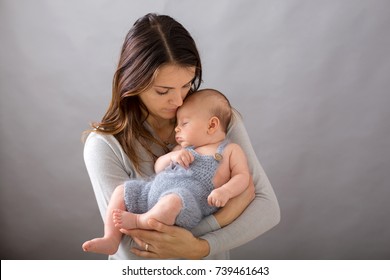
(177, 129)
(177, 99)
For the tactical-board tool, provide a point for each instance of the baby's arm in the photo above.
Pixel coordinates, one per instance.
(239, 177)
(178, 154)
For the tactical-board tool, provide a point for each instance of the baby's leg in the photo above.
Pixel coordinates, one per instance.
(165, 211)
(109, 243)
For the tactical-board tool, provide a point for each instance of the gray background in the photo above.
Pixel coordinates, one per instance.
(311, 79)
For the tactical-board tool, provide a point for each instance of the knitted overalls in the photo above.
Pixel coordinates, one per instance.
(193, 185)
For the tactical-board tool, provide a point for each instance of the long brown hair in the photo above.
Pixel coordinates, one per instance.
(153, 41)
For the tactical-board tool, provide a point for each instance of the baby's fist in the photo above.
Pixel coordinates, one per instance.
(218, 198)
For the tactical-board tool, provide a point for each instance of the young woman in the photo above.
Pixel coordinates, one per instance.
(159, 66)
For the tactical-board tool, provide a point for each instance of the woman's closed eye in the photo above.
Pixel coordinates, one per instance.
(162, 92)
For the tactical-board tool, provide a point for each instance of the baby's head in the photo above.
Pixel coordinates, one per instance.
(205, 113)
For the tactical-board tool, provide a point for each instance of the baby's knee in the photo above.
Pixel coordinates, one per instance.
(119, 190)
(173, 201)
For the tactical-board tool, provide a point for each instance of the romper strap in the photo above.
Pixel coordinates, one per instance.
(221, 147)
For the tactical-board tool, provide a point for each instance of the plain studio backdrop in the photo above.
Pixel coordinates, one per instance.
(311, 79)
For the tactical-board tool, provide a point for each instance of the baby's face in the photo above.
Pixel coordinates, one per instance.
(192, 124)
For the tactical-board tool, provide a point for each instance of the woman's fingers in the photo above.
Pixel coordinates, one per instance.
(149, 236)
(160, 227)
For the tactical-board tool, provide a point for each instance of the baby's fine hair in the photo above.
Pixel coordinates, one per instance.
(219, 106)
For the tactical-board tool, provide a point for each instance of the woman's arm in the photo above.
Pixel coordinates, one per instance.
(106, 168)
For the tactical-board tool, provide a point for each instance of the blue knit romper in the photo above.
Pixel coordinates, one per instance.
(193, 185)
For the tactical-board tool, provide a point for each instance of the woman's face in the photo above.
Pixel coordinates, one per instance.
(169, 88)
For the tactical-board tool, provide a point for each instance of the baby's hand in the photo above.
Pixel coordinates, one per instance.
(218, 198)
(183, 157)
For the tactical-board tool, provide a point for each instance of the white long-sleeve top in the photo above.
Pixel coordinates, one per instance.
(108, 166)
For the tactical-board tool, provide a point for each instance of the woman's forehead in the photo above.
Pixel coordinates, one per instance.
(172, 76)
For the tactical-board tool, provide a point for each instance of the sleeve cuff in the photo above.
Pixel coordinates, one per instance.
(207, 225)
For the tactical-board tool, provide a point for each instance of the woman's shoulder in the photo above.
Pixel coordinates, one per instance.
(98, 143)
(95, 138)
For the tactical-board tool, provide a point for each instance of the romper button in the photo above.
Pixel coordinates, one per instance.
(218, 156)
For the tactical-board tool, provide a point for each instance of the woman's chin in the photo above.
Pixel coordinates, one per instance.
(170, 115)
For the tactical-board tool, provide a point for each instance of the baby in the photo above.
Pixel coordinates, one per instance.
(200, 174)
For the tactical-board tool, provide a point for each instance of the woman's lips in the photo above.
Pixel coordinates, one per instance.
(171, 110)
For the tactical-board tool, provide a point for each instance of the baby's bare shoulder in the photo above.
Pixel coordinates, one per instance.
(232, 147)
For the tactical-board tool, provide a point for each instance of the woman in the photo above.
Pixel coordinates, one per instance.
(159, 66)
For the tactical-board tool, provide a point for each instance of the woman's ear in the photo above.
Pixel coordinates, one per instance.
(213, 125)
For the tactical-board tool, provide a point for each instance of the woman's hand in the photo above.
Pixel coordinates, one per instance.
(165, 242)
(235, 206)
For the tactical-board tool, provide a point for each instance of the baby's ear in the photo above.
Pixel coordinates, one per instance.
(213, 125)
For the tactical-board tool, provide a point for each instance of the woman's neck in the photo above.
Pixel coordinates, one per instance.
(163, 128)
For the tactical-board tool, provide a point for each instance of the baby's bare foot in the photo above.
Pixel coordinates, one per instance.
(123, 219)
(102, 245)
